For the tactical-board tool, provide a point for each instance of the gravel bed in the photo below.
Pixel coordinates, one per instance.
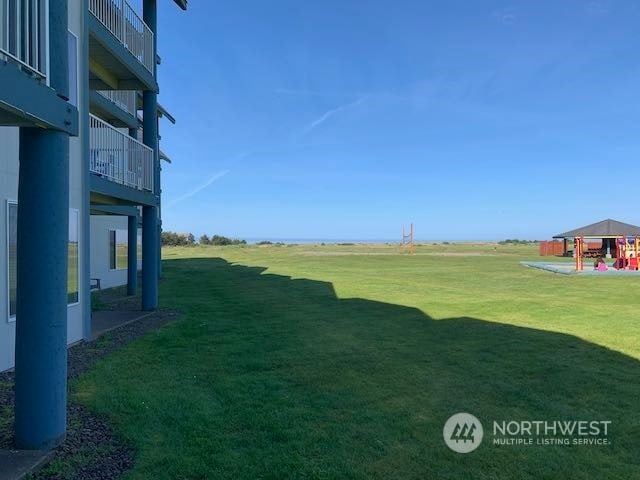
(91, 450)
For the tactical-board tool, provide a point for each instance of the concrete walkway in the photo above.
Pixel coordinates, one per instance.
(107, 320)
(15, 464)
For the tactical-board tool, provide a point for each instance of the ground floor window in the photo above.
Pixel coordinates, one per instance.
(12, 258)
(118, 249)
(12, 244)
(73, 275)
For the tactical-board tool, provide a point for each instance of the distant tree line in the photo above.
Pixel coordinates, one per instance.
(515, 241)
(177, 239)
(187, 239)
(220, 240)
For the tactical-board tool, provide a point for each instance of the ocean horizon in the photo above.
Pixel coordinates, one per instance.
(312, 241)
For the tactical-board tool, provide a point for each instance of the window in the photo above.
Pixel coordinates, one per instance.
(112, 249)
(118, 249)
(72, 278)
(12, 243)
(73, 69)
(139, 249)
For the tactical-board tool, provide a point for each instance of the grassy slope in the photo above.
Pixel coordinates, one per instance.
(349, 368)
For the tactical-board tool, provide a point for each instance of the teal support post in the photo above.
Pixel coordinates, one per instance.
(42, 259)
(160, 249)
(85, 213)
(150, 218)
(159, 180)
(41, 320)
(149, 258)
(132, 255)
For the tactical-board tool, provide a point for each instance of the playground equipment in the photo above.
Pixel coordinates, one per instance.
(626, 252)
(578, 244)
(407, 240)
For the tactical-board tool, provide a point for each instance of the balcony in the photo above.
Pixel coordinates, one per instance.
(118, 158)
(124, 99)
(121, 47)
(26, 100)
(23, 39)
(116, 107)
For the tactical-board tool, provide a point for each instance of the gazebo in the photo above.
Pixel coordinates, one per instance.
(619, 238)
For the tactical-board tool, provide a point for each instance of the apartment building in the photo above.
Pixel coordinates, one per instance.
(78, 137)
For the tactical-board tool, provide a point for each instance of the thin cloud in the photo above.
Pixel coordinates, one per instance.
(506, 16)
(313, 93)
(597, 8)
(327, 115)
(215, 177)
(305, 93)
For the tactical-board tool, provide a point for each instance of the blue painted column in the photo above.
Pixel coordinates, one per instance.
(159, 217)
(159, 244)
(85, 213)
(159, 193)
(42, 259)
(41, 309)
(132, 255)
(149, 258)
(150, 240)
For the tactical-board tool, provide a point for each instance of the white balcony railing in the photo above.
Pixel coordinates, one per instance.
(125, 24)
(125, 99)
(118, 157)
(23, 34)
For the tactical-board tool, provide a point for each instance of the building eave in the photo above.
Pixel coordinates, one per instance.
(181, 3)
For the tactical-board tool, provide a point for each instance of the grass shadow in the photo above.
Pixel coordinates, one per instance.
(274, 377)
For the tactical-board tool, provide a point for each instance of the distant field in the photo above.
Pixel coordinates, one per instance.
(121, 255)
(345, 361)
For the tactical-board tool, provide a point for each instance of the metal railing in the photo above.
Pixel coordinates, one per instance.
(125, 24)
(125, 99)
(23, 34)
(118, 157)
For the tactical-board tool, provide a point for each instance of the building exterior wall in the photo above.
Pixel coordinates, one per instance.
(9, 157)
(8, 192)
(101, 226)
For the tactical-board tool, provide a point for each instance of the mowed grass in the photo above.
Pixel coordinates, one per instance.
(344, 362)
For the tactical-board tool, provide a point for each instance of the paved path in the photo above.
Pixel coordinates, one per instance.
(15, 464)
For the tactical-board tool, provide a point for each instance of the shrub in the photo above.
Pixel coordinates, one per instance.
(221, 240)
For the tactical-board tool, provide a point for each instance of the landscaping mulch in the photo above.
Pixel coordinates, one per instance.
(91, 451)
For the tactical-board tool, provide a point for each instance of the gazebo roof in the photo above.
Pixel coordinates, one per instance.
(605, 228)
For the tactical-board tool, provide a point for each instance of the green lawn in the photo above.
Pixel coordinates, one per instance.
(344, 362)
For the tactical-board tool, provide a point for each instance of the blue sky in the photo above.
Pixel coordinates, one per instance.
(345, 119)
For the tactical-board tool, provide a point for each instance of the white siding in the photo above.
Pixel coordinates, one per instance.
(100, 254)
(8, 191)
(76, 188)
